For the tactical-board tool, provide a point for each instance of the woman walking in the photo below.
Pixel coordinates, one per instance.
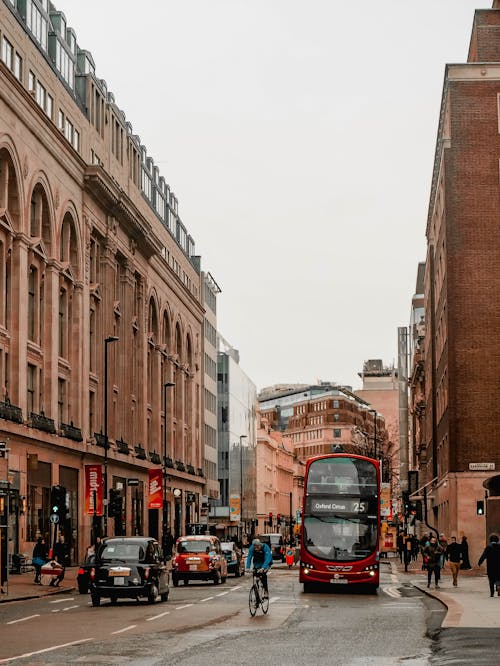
(465, 554)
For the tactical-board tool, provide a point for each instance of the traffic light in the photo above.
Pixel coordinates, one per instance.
(480, 507)
(115, 503)
(278, 519)
(406, 503)
(58, 503)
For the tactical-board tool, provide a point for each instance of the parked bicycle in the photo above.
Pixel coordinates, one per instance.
(258, 596)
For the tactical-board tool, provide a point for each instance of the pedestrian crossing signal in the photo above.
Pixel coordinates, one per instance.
(480, 508)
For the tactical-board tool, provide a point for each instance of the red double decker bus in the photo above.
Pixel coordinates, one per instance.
(340, 521)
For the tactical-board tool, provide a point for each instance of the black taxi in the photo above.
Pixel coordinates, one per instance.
(129, 568)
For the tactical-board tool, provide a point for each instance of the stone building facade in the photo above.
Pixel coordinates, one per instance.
(459, 450)
(91, 248)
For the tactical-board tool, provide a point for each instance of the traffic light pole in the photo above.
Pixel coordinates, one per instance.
(111, 338)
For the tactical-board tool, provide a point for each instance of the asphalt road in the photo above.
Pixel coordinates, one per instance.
(207, 624)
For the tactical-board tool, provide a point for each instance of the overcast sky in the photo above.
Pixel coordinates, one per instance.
(299, 139)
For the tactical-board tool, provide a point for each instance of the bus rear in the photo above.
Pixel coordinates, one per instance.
(340, 521)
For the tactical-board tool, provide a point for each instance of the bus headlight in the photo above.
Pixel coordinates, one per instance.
(306, 566)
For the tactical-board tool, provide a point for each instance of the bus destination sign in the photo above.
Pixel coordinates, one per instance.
(340, 505)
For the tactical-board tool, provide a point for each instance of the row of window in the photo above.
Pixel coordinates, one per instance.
(210, 402)
(210, 436)
(12, 59)
(210, 367)
(210, 333)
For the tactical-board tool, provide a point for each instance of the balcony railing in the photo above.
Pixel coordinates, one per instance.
(122, 447)
(71, 431)
(180, 465)
(10, 412)
(169, 462)
(199, 471)
(140, 452)
(100, 440)
(190, 469)
(155, 458)
(42, 422)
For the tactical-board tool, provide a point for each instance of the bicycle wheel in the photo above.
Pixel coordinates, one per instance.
(264, 601)
(253, 602)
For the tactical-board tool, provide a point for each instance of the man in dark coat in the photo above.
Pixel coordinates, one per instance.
(433, 552)
(492, 556)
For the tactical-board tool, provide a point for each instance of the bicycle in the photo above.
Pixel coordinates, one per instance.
(256, 597)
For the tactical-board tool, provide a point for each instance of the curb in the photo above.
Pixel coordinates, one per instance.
(39, 596)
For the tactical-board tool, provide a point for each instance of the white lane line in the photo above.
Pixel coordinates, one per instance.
(70, 607)
(56, 610)
(62, 601)
(185, 606)
(273, 599)
(120, 631)
(157, 617)
(23, 619)
(54, 647)
(207, 599)
(221, 594)
(236, 587)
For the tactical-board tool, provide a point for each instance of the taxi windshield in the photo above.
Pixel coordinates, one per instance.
(194, 546)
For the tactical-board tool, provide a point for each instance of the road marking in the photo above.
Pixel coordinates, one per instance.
(54, 647)
(157, 617)
(273, 599)
(120, 631)
(221, 594)
(236, 587)
(207, 599)
(23, 619)
(56, 610)
(69, 608)
(62, 601)
(185, 606)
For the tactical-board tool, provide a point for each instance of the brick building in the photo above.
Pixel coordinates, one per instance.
(461, 348)
(92, 248)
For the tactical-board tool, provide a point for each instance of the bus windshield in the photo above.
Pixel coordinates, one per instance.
(341, 509)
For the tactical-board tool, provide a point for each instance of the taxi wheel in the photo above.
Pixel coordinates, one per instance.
(114, 601)
(186, 581)
(223, 580)
(237, 573)
(152, 594)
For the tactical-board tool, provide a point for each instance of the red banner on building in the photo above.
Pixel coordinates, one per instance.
(155, 489)
(93, 490)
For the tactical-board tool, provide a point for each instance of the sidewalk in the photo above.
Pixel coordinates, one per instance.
(469, 604)
(21, 586)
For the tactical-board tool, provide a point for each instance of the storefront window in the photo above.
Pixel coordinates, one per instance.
(39, 482)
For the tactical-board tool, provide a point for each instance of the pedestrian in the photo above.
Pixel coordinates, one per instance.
(400, 546)
(407, 550)
(423, 543)
(433, 552)
(415, 545)
(443, 542)
(169, 545)
(465, 554)
(492, 556)
(61, 556)
(39, 557)
(454, 556)
(92, 550)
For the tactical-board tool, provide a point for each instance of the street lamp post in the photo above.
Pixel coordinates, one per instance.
(374, 412)
(107, 341)
(164, 518)
(241, 484)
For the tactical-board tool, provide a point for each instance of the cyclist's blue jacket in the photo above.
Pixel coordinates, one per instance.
(262, 560)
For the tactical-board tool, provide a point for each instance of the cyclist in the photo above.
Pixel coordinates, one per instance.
(262, 560)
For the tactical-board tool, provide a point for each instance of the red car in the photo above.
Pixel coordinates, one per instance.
(198, 558)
